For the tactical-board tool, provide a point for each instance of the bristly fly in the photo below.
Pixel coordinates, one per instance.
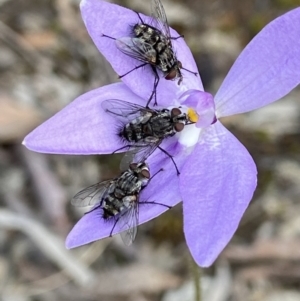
(152, 44)
(143, 129)
(119, 199)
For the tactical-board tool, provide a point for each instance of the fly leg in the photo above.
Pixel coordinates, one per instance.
(176, 38)
(156, 81)
(155, 203)
(139, 17)
(165, 152)
(106, 36)
(155, 175)
(126, 146)
(112, 230)
(135, 68)
(195, 73)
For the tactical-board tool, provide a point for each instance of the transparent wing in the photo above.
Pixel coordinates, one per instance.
(124, 110)
(137, 49)
(128, 224)
(138, 153)
(160, 18)
(91, 195)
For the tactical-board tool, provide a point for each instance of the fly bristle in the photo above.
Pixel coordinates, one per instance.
(106, 214)
(120, 130)
(131, 29)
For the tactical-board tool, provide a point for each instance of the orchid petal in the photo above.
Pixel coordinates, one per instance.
(204, 104)
(266, 70)
(217, 183)
(101, 17)
(82, 127)
(163, 189)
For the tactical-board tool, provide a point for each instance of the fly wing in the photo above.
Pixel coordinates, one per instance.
(138, 153)
(123, 110)
(128, 224)
(91, 195)
(160, 18)
(137, 49)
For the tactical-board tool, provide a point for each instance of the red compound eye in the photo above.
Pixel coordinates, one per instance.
(171, 75)
(145, 173)
(175, 112)
(133, 166)
(179, 127)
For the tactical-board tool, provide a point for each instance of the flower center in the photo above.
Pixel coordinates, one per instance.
(199, 107)
(192, 115)
(189, 136)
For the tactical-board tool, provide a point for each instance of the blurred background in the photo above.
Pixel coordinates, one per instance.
(46, 60)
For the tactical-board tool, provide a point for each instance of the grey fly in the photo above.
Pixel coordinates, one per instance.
(143, 129)
(119, 199)
(152, 44)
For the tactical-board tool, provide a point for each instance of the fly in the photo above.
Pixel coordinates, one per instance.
(152, 45)
(119, 199)
(143, 129)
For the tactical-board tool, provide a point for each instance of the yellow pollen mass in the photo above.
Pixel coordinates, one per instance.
(192, 115)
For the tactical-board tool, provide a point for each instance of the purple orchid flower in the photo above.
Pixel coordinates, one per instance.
(217, 175)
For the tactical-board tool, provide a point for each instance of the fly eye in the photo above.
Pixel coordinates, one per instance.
(145, 173)
(171, 75)
(175, 112)
(179, 127)
(133, 166)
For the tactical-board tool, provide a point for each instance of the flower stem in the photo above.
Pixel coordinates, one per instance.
(196, 274)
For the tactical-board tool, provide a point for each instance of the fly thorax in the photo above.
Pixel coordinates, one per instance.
(147, 130)
(131, 185)
(111, 188)
(136, 188)
(118, 193)
(161, 47)
(123, 181)
(162, 126)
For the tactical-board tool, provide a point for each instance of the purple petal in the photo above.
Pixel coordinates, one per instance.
(217, 183)
(163, 188)
(101, 17)
(204, 105)
(82, 127)
(266, 70)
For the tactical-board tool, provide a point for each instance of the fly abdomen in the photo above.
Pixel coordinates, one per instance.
(129, 200)
(111, 206)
